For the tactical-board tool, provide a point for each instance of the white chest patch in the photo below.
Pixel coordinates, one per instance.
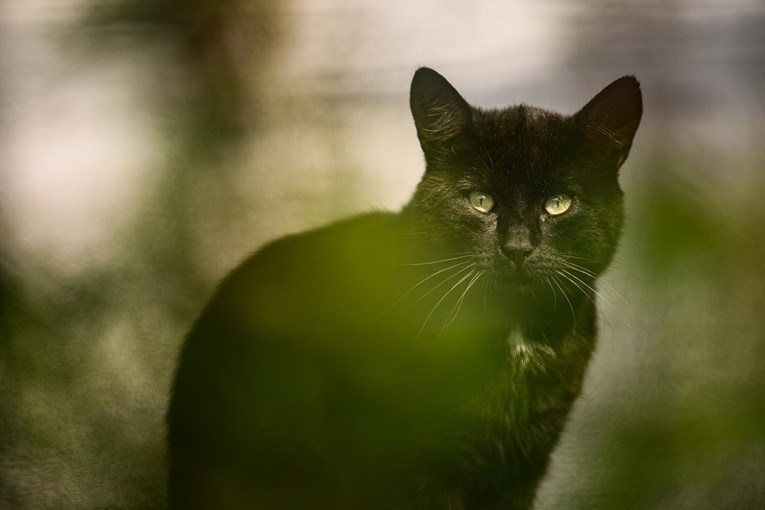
(528, 355)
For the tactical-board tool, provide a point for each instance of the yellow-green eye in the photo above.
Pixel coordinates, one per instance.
(481, 201)
(558, 204)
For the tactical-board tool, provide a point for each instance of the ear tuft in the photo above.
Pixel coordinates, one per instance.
(439, 112)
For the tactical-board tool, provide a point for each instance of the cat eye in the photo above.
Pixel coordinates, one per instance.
(558, 204)
(481, 201)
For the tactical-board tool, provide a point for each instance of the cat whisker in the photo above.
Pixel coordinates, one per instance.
(581, 269)
(441, 300)
(485, 291)
(590, 298)
(586, 272)
(456, 274)
(622, 295)
(458, 305)
(596, 303)
(604, 281)
(555, 295)
(601, 296)
(571, 306)
(577, 257)
(576, 268)
(458, 257)
(413, 287)
(614, 263)
(575, 284)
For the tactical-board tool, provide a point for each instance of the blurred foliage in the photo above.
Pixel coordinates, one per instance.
(681, 427)
(87, 361)
(675, 401)
(698, 442)
(225, 44)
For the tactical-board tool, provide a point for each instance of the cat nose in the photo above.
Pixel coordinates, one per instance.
(516, 252)
(518, 244)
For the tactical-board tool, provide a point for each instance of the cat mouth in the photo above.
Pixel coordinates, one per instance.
(520, 277)
(510, 274)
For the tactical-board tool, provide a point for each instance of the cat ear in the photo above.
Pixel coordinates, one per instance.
(609, 121)
(439, 111)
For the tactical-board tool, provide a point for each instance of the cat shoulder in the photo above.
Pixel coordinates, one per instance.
(364, 229)
(289, 261)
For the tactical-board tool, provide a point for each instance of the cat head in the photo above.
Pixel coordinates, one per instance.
(528, 192)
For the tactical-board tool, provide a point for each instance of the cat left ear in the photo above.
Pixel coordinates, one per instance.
(609, 121)
(439, 112)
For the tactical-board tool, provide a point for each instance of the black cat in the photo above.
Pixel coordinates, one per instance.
(425, 359)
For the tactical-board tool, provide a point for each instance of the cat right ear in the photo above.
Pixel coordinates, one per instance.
(439, 112)
(609, 121)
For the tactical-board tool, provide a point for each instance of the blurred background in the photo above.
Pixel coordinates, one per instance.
(147, 146)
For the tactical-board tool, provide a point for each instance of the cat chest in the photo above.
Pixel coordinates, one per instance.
(519, 415)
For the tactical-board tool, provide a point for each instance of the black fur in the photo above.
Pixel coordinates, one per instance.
(413, 360)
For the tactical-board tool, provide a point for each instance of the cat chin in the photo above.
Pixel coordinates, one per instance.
(519, 282)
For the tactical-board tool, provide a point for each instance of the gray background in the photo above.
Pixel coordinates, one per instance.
(149, 146)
